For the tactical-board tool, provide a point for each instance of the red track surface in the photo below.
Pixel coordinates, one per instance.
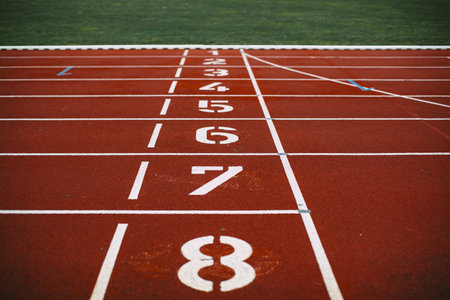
(373, 169)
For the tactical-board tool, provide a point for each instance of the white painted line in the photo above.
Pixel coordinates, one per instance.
(164, 110)
(186, 52)
(108, 264)
(228, 66)
(178, 73)
(172, 87)
(324, 265)
(224, 79)
(85, 154)
(236, 47)
(154, 137)
(165, 107)
(182, 61)
(150, 212)
(346, 83)
(207, 56)
(212, 95)
(134, 194)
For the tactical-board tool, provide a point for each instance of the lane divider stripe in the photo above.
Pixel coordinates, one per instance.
(172, 87)
(134, 194)
(165, 107)
(154, 137)
(108, 264)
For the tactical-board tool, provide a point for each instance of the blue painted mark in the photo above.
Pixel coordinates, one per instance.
(62, 73)
(362, 88)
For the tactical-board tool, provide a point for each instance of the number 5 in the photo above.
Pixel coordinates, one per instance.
(203, 106)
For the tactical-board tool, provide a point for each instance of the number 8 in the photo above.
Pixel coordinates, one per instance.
(244, 274)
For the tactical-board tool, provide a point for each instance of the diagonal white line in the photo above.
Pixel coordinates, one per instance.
(108, 264)
(321, 257)
(343, 82)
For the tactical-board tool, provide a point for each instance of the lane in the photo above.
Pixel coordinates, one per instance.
(80, 61)
(364, 136)
(384, 221)
(357, 73)
(356, 107)
(123, 87)
(105, 183)
(134, 136)
(77, 72)
(178, 107)
(116, 52)
(52, 256)
(151, 257)
(352, 53)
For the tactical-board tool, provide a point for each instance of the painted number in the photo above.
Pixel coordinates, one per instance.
(215, 61)
(208, 105)
(211, 185)
(201, 135)
(216, 72)
(215, 86)
(244, 273)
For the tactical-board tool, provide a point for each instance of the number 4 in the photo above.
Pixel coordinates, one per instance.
(211, 185)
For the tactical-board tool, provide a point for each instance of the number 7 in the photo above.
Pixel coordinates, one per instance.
(211, 185)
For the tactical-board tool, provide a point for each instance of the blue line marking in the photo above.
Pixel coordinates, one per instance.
(362, 88)
(62, 73)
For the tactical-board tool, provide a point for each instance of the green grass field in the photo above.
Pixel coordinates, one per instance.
(299, 22)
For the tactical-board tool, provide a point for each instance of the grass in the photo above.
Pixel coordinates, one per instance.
(318, 22)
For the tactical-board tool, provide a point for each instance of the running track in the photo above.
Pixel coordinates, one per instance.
(201, 174)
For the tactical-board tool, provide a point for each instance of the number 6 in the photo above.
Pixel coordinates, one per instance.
(201, 135)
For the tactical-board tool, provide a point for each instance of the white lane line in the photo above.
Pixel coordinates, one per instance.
(172, 87)
(165, 107)
(223, 47)
(217, 95)
(322, 260)
(155, 135)
(178, 73)
(186, 52)
(183, 60)
(345, 83)
(166, 104)
(81, 154)
(151, 212)
(108, 264)
(134, 193)
(224, 79)
(236, 56)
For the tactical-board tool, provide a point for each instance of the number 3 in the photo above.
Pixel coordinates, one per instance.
(244, 274)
